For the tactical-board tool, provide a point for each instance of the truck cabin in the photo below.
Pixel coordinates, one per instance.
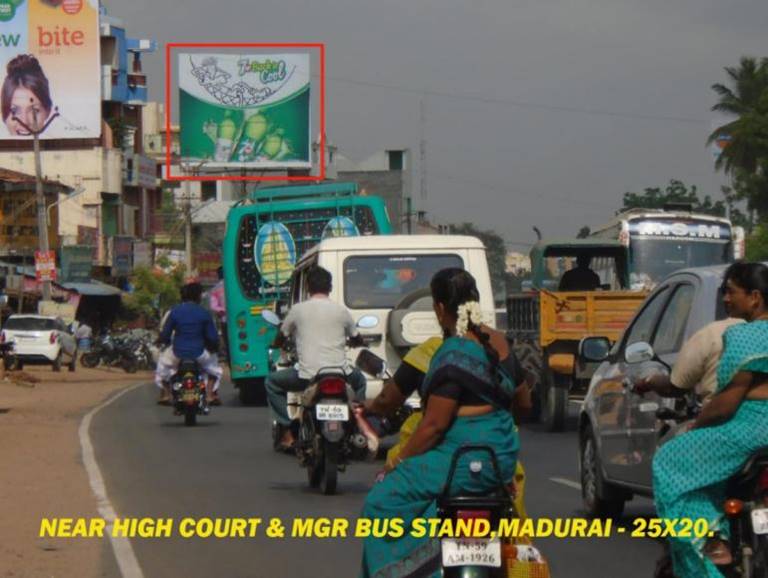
(579, 265)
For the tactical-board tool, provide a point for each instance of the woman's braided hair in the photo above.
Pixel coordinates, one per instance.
(454, 288)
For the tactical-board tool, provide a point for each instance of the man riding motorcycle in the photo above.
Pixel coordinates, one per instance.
(194, 337)
(320, 328)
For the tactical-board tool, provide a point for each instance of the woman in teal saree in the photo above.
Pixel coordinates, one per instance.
(467, 396)
(690, 471)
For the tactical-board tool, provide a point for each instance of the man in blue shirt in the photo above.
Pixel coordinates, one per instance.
(194, 337)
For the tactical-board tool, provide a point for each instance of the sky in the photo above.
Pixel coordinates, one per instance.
(537, 112)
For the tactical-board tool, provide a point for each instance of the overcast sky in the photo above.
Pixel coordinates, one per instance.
(541, 112)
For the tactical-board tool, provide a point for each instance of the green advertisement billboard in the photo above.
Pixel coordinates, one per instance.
(249, 111)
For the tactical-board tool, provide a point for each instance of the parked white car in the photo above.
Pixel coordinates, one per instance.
(39, 340)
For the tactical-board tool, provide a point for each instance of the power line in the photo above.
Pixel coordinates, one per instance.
(496, 187)
(520, 103)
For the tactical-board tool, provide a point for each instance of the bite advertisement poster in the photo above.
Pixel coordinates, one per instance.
(245, 110)
(50, 55)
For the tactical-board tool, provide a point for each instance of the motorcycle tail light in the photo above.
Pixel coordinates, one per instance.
(733, 507)
(53, 337)
(189, 383)
(473, 514)
(332, 386)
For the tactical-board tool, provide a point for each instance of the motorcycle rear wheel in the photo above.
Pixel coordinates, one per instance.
(330, 468)
(190, 415)
(129, 364)
(90, 359)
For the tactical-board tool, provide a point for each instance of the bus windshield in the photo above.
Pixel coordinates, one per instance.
(653, 259)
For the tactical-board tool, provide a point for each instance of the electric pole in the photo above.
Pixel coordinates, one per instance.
(42, 222)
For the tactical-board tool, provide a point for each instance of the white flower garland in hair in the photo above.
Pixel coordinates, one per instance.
(469, 311)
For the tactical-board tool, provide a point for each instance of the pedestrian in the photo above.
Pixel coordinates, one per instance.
(218, 304)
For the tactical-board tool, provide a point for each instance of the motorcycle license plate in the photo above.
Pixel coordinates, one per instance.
(471, 552)
(190, 396)
(332, 412)
(760, 521)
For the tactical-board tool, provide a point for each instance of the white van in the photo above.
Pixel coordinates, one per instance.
(373, 275)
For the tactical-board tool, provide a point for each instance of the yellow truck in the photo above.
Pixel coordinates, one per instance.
(548, 320)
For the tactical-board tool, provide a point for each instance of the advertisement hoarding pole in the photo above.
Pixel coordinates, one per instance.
(42, 222)
(42, 225)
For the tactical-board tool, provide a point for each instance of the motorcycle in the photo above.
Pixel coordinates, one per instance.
(329, 432)
(111, 354)
(469, 557)
(746, 503)
(188, 388)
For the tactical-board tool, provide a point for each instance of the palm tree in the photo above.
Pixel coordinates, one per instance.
(747, 100)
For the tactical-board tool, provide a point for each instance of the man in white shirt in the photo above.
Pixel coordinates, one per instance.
(320, 328)
(696, 365)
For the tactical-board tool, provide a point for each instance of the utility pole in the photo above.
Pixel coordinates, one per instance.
(42, 222)
(422, 156)
(188, 261)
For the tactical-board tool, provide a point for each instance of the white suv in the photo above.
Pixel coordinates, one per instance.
(39, 340)
(386, 279)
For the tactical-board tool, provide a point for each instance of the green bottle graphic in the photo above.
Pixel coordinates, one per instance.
(225, 139)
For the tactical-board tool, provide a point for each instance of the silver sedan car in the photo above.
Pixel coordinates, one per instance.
(620, 430)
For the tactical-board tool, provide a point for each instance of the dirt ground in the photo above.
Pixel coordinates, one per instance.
(41, 468)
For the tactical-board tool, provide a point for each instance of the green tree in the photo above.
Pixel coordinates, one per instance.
(583, 233)
(155, 290)
(496, 251)
(675, 192)
(745, 154)
(757, 244)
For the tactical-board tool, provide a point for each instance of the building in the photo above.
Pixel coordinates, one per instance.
(113, 200)
(385, 174)
(18, 215)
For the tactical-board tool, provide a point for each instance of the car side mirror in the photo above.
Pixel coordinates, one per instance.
(639, 352)
(594, 349)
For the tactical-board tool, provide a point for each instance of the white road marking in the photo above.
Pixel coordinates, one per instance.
(126, 559)
(566, 482)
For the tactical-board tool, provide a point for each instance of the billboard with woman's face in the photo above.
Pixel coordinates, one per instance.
(49, 54)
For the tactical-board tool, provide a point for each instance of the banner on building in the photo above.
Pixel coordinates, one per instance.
(76, 263)
(45, 266)
(122, 255)
(49, 53)
(142, 254)
(245, 110)
(147, 172)
(207, 265)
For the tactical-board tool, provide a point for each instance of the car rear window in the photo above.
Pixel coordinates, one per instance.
(30, 324)
(380, 281)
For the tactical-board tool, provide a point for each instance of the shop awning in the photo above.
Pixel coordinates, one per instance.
(93, 288)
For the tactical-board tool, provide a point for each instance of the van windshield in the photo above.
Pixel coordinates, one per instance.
(380, 281)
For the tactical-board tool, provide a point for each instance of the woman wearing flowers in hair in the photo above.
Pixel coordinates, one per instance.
(467, 395)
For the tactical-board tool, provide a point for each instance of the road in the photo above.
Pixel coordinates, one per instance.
(155, 467)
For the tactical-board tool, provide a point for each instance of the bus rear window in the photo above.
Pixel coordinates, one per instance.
(379, 282)
(306, 228)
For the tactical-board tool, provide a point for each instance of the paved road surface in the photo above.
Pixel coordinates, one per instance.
(155, 467)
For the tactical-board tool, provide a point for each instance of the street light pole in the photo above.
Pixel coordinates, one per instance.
(42, 224)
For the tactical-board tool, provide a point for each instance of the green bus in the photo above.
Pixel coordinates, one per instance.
(265, 237)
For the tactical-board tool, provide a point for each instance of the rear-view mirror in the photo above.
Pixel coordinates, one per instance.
(594, 349)
(639, 352)
(370, 363)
